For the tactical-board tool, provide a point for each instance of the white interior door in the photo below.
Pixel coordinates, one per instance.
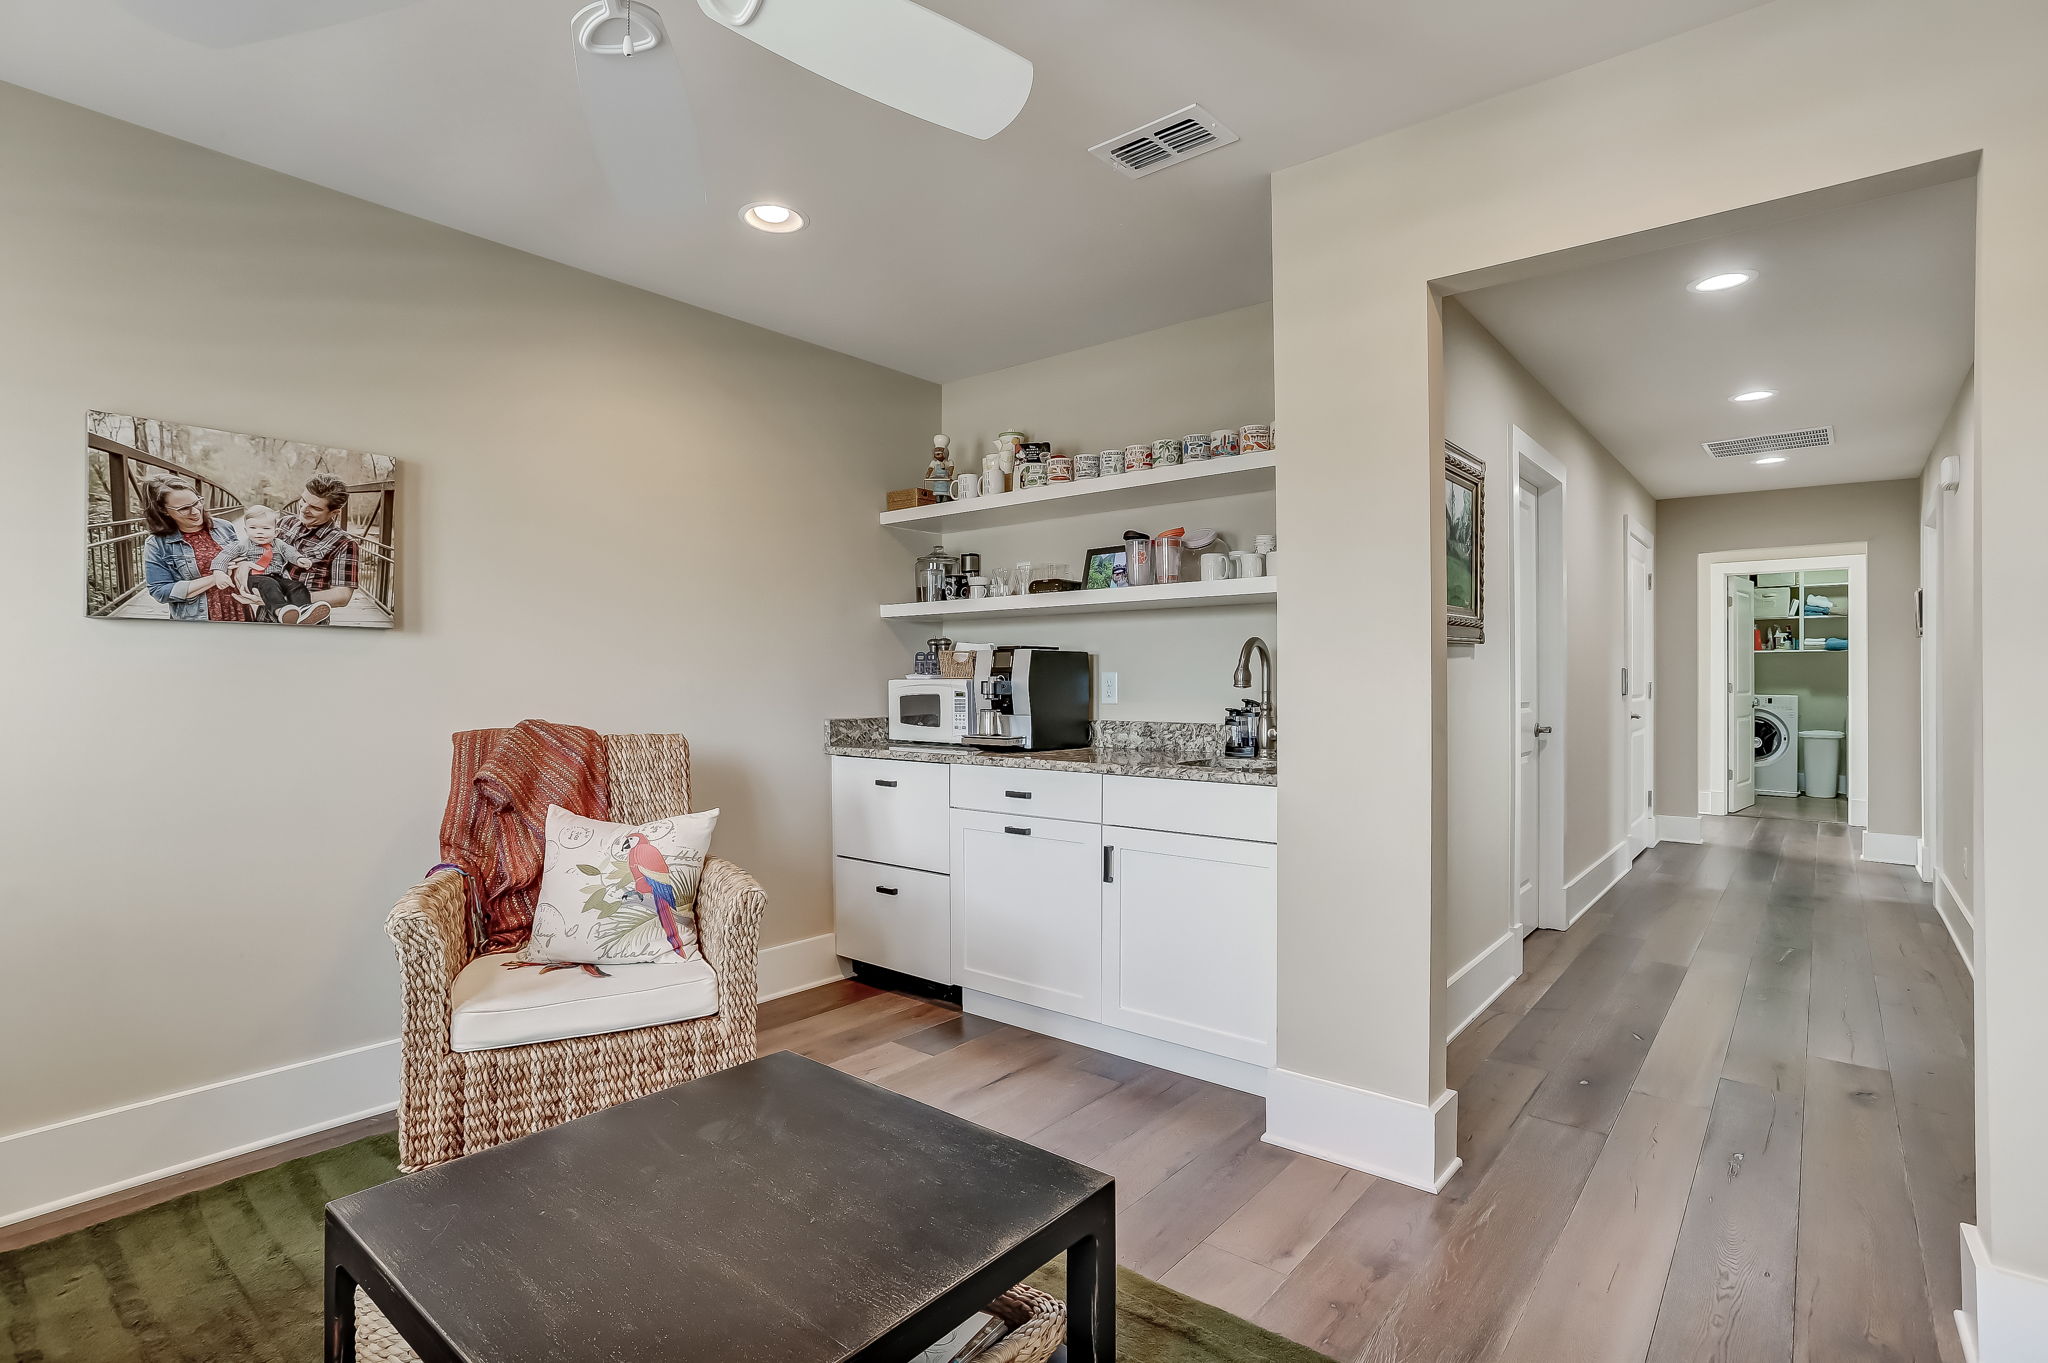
(1741, 693)
(1639, 689)
(1529, 735)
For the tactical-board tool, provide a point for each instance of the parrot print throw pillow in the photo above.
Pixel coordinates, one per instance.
(613, 894)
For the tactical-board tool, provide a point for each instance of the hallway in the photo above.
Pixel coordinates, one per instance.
(1726, 1116)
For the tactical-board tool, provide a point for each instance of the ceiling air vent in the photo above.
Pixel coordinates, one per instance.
(1180, 136)
(1771, 444)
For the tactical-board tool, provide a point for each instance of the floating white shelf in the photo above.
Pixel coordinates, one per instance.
(1249, 591)
(1121, 492)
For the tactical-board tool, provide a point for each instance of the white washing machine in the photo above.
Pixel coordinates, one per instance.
(1777, 745)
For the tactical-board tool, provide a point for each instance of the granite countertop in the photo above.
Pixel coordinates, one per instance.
(1173, 752)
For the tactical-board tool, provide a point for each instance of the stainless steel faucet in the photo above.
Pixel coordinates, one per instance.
(1243, 678)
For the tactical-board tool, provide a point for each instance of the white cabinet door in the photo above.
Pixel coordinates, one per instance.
(1188, 941)
(1027, 910)
(892, 812)
(892, 917)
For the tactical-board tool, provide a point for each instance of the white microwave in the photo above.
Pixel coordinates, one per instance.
(931, 709)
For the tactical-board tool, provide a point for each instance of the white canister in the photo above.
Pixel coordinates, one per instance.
(1247, 563)
(1215, 567)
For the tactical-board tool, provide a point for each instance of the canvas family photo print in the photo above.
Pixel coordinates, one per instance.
(187, 523)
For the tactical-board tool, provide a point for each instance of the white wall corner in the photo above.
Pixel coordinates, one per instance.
(792, 967)
(1388, 1137)
(1859, 812)
(1585, 889)
(1893, 849)
(95, 1155)
(1681, 828)
(1956, 917)
(1482, 979)
(2004, 1317)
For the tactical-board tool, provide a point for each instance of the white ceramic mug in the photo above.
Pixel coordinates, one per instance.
(1215, 567)
(966, 486)
(1247, 563)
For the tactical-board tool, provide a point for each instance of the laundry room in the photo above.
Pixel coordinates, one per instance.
(1799, 636)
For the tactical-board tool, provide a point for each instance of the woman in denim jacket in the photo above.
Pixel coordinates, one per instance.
(177, 558)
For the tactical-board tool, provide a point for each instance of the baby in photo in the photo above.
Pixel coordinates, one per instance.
(258, 562)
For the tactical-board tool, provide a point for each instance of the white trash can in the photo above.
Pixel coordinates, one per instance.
(1820, 753)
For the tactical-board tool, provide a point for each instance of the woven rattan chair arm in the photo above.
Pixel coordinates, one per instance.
(729, 907)
(430, 927)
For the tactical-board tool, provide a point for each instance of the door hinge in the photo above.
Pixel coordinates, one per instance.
(1649, 799)
(1649, 582)
(1731, 688)
(1649, 690)
(1731, 773)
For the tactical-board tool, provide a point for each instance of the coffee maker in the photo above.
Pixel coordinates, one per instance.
(1030, 698)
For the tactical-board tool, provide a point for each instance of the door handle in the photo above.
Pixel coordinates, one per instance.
(1635, 716)
(1018, 794)
(884, 889)
(1020, 832)
(1108, 853)
(1542, 729)
(890, 784)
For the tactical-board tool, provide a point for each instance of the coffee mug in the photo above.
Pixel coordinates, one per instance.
(1222, 444)
(1194, 447)
(1248, 563)
(1215, 567)
(966, 486)
(1255, 440)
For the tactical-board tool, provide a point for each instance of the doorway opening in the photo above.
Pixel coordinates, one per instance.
(1785, 699)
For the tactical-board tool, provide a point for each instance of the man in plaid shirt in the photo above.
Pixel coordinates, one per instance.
(318, 528)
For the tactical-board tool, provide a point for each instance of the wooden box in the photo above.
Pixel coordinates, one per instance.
(905, 498)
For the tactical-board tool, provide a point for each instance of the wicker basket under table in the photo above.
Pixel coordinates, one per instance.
(1038, 1326)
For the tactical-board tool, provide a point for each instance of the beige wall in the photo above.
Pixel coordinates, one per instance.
(1955, 614)
(1487, 394)
(1196, 376)
(1886, 518)
(617, 510)
(1783, 100)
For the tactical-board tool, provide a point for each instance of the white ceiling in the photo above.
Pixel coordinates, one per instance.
(1860, 318)
(928, 251)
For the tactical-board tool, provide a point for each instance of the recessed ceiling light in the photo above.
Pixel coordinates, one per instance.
(1772, 459)
(1714, 283)
(1755, 395)
(770, 217)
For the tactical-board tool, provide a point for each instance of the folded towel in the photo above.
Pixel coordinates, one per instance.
(1837, 645)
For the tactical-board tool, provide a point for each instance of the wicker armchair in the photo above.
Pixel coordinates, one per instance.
(456, 1102)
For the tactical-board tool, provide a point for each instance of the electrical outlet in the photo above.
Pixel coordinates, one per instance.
(1109, 688)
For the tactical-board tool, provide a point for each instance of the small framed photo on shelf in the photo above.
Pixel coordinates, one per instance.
(1105, 568)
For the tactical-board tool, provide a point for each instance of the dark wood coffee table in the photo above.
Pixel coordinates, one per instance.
(777, 1211)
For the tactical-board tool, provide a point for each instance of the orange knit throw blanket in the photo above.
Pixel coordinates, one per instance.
(498, 798)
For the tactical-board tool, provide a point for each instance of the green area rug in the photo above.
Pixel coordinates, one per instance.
(232, 1275)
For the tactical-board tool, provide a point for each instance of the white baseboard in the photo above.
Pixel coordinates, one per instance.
(1387, 1137)
(1166, 1055)
(1681, 828)
(60, 1165)
(56, 1166)
(2004, 1316)
(1893, 849)
(1713, 802)
(1482, 979)
(792, 967)
(1584, 890)
(1957, 918)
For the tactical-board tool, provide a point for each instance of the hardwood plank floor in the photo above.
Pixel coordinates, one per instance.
(1726, 1116)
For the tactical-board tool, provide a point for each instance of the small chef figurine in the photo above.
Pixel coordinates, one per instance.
(938, 476)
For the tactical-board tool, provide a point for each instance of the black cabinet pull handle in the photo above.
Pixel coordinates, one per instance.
(884, 889)
(1018, 794)
(1108, 856)
(1020, 832)
(890, 784)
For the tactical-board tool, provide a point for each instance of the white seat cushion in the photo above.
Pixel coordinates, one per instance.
(493, 1005)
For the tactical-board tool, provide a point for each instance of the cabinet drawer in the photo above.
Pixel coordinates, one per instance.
(1039, 794)
(1207, 809)
(893, 812)
(892, 917)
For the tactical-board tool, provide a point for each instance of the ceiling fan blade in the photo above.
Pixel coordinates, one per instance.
(638, 109)
(232, 23)
(893, 51)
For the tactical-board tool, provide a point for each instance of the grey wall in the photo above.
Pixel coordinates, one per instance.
(1487, 393)
(1883, 515)
(617, 511)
